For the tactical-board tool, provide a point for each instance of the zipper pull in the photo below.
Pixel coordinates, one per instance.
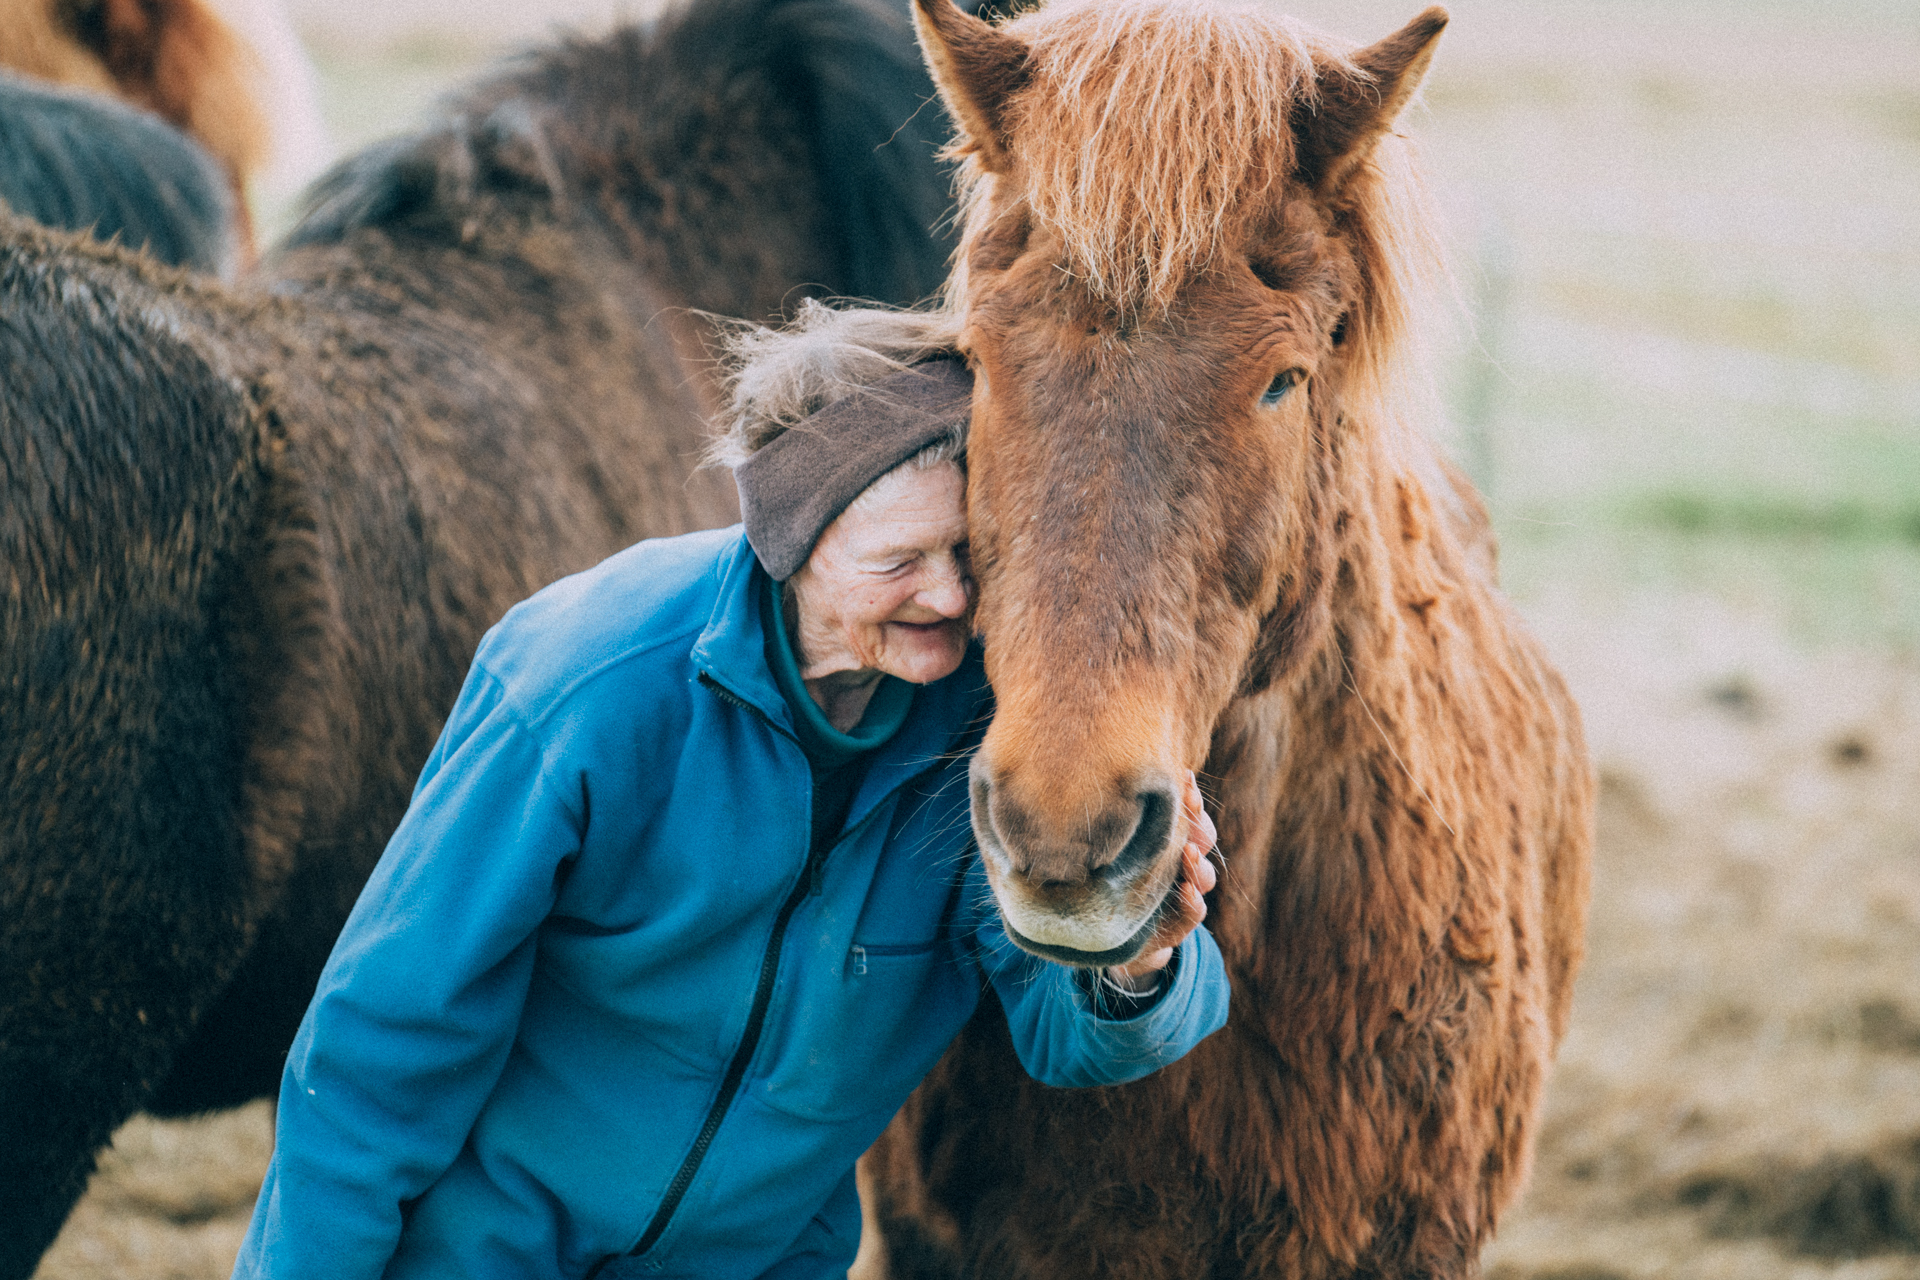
(859, 959)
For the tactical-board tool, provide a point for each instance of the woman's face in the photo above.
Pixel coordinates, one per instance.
(887, 586)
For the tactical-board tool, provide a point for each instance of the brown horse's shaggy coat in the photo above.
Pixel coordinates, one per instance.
(250, 538)
(1207, 535)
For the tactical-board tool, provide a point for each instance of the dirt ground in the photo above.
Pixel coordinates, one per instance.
(1689, 238)
(1740, 1092)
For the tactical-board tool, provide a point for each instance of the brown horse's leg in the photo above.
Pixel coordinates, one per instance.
(91, 1023)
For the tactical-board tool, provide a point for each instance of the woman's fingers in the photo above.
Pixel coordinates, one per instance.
(1200, 870)
(1197, 876)
(1200, 828)
(1197, 879)
(1202, 836)
(1193, 895)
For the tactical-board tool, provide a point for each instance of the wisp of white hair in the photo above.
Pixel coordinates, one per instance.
(777, 378)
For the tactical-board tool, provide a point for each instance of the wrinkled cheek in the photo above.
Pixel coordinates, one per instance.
(955, 638)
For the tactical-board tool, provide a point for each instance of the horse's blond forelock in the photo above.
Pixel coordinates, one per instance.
(1145, 126)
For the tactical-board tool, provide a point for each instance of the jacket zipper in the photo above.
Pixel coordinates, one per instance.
(736, 1069)
(808, 885)
(728, 696)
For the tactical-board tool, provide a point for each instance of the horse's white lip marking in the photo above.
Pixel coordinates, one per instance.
(1096, 931)
(1103, 916)
(1099, 921)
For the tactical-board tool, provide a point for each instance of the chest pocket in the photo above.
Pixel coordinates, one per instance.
(898, 992)
(865, 1038)
(861, 953)
(915, 888)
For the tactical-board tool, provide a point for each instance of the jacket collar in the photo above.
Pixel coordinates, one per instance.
(948, 715)
(731, 651)
(948, 719)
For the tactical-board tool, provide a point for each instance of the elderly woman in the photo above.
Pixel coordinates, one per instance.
(684, 905)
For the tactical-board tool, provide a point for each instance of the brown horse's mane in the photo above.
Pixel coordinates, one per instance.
(598, 131)
(1142, 129)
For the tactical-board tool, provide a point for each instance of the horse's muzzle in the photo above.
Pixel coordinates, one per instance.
(1091, 894)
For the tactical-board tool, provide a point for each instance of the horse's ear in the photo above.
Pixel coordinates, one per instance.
(977, 67)
(1354, 111)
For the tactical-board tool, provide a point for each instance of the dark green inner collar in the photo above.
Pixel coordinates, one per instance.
(826, 746)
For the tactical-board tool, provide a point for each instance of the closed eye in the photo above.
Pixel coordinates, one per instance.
(1282, 383)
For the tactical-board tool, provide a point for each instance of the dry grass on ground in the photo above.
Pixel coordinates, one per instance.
(170, 1200)
(1740, 1093)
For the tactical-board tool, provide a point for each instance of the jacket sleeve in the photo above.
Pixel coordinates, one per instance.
(418, 1005)
(1060, 1037)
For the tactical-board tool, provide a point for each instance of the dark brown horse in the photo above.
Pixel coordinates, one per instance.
(250, 537)
(1209, 535)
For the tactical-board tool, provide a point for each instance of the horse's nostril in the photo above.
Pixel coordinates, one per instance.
(1106, 843)
(1152, 829)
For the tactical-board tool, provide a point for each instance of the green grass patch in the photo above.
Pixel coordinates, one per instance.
(1775, 516)
(1830, 574)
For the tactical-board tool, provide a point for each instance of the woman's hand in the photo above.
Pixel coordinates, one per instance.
(1197, 879)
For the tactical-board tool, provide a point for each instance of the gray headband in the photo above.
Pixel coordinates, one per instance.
(794, 487)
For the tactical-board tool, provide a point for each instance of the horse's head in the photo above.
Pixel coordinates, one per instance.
(1179, 270)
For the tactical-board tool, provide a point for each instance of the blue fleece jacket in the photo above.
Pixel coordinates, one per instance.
(597, 1012)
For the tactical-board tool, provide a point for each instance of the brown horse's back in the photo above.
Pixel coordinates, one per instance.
(428, 464)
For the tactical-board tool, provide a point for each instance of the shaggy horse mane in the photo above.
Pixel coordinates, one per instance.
(1143, 129)
(635, 102)
(1143, 126)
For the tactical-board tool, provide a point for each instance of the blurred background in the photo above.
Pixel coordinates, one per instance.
(1684, 369)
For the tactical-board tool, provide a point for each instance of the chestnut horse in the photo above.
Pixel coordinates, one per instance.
(1208, 536)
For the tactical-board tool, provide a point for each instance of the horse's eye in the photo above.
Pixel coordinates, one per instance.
(1282, 383)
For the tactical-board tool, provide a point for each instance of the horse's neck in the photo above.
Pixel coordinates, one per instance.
(1307, 765)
